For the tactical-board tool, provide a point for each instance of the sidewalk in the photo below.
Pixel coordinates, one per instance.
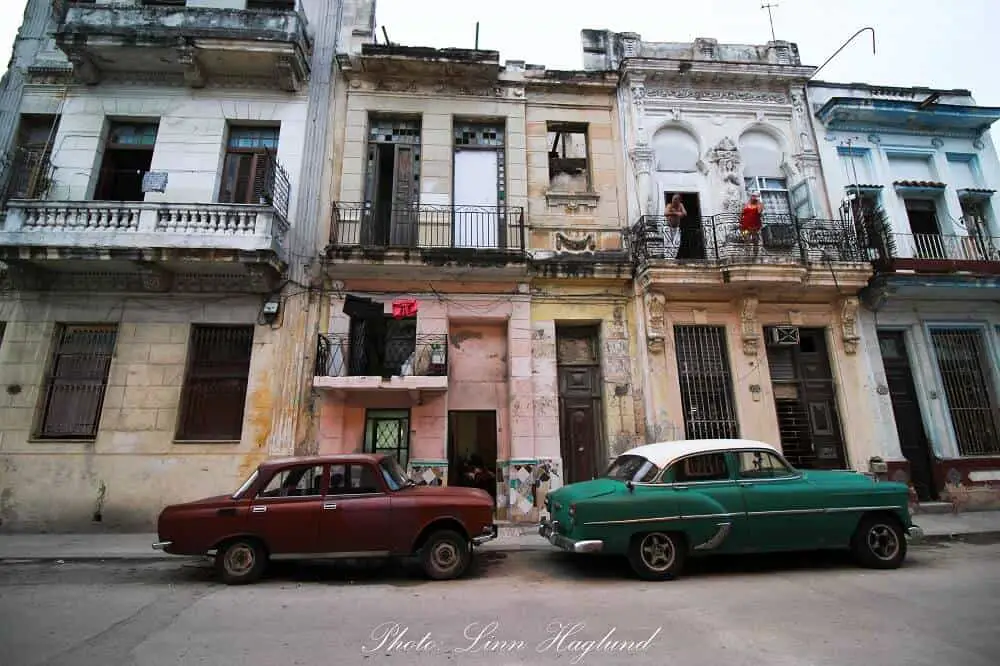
(138, 547)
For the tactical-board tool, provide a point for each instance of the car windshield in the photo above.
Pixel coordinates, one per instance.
(630, 467)
(246, 485)
(394, 475)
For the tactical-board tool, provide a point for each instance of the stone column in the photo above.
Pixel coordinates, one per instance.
(520, 472)
(545, 382)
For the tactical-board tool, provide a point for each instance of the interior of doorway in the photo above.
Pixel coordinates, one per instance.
(472, 450)
(689, 239)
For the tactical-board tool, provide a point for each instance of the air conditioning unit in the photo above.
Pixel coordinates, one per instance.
(782, 336)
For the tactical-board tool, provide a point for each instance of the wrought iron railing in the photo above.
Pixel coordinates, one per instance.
(950, 248)
(339, 355)
(27, 174)
(428, 226)
(274, 186)
(718, 240)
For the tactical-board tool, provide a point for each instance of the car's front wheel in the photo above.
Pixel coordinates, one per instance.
(445, 555)
(241, 561)
(879, 542)
(657, 555)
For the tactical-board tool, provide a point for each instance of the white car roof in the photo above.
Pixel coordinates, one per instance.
(662, 454)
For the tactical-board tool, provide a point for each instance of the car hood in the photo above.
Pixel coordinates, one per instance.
(587, 489)
(214, 499)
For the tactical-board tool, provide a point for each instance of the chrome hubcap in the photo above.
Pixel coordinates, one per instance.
(883, 542)
(239, 560)
(657, 552)
(445, 555)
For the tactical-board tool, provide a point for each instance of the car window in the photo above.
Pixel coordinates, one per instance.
(631, 467)
(762, 465)
(701, 467)
(352, 479)
(298, 481)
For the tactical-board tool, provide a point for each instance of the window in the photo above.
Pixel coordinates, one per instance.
(353, 479)
(632, 468)
(128, 155)
(701, 467)
(706, 383)
(248, 172)
(762, 465)
(762, 158)
(77, 381)
(215, 383)
(569, 168)
(965, 373)
(270, 4)
(298, 481)
(392, 182)
(388, 431)
(31, 167)
(774, 195)
(166, 3)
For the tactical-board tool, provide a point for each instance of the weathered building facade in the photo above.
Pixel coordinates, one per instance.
(161, 164)
(916, 170)
(741, 335)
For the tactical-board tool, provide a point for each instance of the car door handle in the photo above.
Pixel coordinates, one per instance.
(329, 505)
(745, 484)
(259, 509)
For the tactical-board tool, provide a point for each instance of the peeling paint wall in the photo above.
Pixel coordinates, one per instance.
(134, 467)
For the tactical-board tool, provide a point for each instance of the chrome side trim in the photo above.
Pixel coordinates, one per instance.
(658, 519)
(786, 512)
(782, 512)
(717, 539)
(848, 509)
(162, 545)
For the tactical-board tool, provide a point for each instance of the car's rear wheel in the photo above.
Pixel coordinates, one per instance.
(445, 555)
(879, 542)
(241, 561)
(657, 555)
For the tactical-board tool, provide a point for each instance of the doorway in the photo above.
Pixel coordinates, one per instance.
(922, 215)
(689, 239)
(479, 185)
(472, 450)
(580, 414)
(805, 397)
(906, 410)
(128, 155)
(392, 183)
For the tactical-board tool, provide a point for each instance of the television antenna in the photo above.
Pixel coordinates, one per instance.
(770, 17)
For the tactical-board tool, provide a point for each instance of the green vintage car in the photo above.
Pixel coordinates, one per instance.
(661, 503)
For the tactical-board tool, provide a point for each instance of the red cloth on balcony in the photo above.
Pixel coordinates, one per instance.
(404, 307)
(750, 219)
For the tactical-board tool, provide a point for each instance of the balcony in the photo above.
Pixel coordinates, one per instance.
(192, 45)
(936, 253)
(371, 240)
(413, 365)
(93, 245)
(713, 257)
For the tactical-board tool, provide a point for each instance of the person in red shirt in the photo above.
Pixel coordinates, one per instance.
(751, 220)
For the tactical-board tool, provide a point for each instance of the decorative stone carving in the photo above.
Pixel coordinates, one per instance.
(642, 160)
(638, 89)
(713, 95)
(759, 115)
(800, 121)
(978, 143)
(585, 244)
(726, 158)
(849, 324)
(749, 325)
(655, 321)
(874, 138)
(84, 68)
(285, 72)
(194, 76)
(937, 142)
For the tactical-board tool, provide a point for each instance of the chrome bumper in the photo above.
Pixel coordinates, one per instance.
(548, 531)
(162, 545)
(914, 533)
(490, 532)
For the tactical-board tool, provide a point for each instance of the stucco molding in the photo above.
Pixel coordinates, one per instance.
(656, 327)
(849, 324)
(749, 325)
(717, 95)
(566, 243)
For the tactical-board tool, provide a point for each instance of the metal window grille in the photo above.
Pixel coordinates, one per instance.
(706, 382)
(77, 380)
(388, 432)
(971, 402)
(215, 385)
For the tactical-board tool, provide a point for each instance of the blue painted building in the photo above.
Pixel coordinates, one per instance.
(916, 170)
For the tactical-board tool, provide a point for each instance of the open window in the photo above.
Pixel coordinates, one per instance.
(128, 154)
(248, 172)
(569, 163)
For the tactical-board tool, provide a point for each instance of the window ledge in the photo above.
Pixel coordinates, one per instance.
(68, 440)
(572, 200)
(207, 441)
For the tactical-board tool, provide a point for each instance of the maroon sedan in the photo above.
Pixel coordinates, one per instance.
(343, 506)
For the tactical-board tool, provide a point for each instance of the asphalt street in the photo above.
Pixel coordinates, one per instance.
(522, 608)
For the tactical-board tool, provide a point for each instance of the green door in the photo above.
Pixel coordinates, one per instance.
(709, 503)
(781, 512)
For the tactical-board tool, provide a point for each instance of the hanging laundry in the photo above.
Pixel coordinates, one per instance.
(404, 307)
(363, 308)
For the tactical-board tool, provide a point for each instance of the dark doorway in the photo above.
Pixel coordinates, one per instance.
(580, 417)
(805, 397)
(128, 155)
(906, 410)
(472, 450)
(690, 241)
(392, 188)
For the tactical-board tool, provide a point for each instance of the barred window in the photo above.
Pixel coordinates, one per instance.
(215, 383)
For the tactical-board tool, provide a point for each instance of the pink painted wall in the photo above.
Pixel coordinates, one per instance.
(489, 369)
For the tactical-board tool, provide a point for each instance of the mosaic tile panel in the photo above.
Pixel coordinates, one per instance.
(523, 486)
(428, 472)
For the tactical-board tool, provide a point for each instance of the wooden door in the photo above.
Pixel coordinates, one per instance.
(403, 232)
(579, 404)
(906, 411)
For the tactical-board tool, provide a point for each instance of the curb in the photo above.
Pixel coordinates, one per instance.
(986, 535)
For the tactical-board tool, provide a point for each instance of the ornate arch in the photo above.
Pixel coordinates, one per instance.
(682, 126)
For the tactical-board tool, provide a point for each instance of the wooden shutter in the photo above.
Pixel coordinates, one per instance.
(74, 393)
(215, 386)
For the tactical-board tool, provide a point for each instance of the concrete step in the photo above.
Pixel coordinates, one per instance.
(933, 508)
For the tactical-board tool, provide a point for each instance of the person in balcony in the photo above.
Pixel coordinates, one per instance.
(674, 213)
(751, 221)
